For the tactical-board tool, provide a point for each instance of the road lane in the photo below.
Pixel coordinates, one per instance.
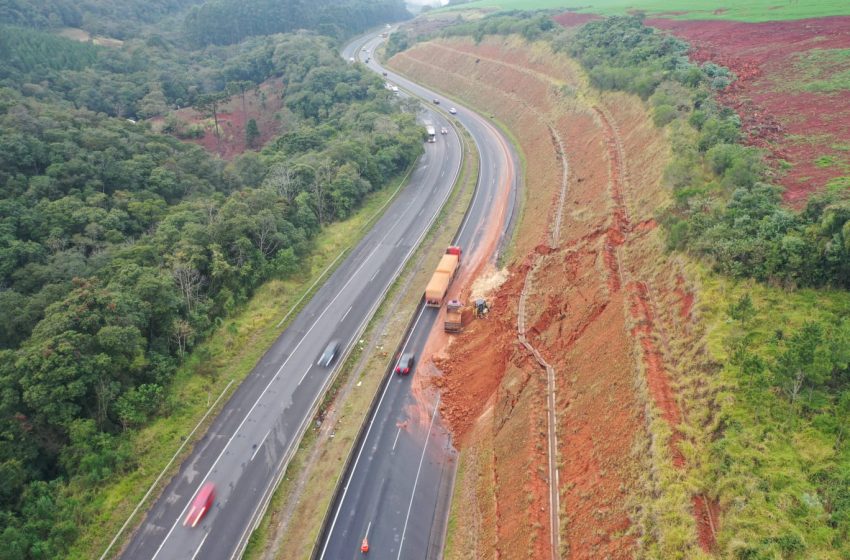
(397, 487)
(249, 443)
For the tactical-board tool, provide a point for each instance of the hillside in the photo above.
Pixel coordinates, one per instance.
(124, 248)
(686, 426)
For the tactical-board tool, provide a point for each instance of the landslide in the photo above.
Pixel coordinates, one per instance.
(615, 315)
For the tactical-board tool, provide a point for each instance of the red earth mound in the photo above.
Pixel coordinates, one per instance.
(792, 124)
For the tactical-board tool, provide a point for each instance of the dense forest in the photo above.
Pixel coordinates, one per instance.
(113, 18)
(120, 248)
(222, 22)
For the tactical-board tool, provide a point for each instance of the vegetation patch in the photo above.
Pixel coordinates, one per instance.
(823, 70)
(122, 251)
(780, 465)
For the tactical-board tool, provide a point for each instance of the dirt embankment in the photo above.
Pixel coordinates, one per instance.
(607, 308)
(789, 97)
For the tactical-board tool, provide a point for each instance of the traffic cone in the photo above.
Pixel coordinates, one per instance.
(364, 548)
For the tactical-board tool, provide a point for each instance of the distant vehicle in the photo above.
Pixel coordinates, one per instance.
(367, 60)
(444, 130)
(431, 131)
(202, 503)
(437, 287)
(436, 101)
(366, 51)
(405, 363)
(329, 355)
(453, 111)
(384, 74)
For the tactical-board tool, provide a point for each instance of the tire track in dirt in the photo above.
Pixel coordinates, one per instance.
(646, 332)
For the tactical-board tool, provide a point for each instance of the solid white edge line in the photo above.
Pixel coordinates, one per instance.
(366, 437)
(155, 482)
(418, 472)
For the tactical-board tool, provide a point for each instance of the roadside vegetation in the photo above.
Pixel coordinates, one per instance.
(122, 250)
(774, 296)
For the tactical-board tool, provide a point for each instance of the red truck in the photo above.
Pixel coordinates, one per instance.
(437, 287)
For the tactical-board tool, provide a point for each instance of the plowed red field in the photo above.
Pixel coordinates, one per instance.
(783, 95)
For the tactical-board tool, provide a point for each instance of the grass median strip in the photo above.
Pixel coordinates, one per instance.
(228, 355)
(290, 527)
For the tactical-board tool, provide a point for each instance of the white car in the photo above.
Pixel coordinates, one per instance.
(453, 111)
(444, 130)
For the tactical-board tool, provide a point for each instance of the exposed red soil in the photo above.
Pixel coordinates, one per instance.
(261, 104)
(790, 124)
(707, 513)
(686, 298)
(570, 19)
(580, 316)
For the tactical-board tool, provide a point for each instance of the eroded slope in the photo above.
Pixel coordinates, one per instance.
(608, 309)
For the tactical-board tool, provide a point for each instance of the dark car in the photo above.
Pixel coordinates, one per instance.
(384, 74)
(405, 363)
(329, 355)
(201, 504)
(436, 101)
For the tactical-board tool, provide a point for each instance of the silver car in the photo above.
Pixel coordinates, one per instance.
(329, 355)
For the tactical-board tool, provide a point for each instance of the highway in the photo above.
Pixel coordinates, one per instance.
(397, 493)
(250, 442)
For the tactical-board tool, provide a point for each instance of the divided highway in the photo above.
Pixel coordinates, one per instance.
(397, 492)
(249, 444)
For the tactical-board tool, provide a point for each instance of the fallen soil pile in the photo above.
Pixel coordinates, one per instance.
(607, 307)
(784, 94)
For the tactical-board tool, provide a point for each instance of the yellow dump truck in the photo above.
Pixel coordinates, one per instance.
(454, 317)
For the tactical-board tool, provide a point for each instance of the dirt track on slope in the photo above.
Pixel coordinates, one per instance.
(604, 308)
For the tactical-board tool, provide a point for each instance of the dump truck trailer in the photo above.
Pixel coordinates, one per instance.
(442, 278)
(454, 317)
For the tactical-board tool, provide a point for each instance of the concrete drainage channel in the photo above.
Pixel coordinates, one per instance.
(555, 234)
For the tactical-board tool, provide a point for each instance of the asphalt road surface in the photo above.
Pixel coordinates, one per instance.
(250, 442)
(398, 490)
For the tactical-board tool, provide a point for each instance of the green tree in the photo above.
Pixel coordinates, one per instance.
(252, 133)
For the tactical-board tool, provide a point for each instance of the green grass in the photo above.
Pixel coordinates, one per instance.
(773, 468)
(821, 71)
(752, 10)
(229, 354)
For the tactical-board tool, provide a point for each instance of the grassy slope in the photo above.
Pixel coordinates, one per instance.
(770, 464)
(752, 10)
(229, 354)
(770, 468)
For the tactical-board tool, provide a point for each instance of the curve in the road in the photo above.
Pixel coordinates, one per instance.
(396, 491)
(250, 442)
